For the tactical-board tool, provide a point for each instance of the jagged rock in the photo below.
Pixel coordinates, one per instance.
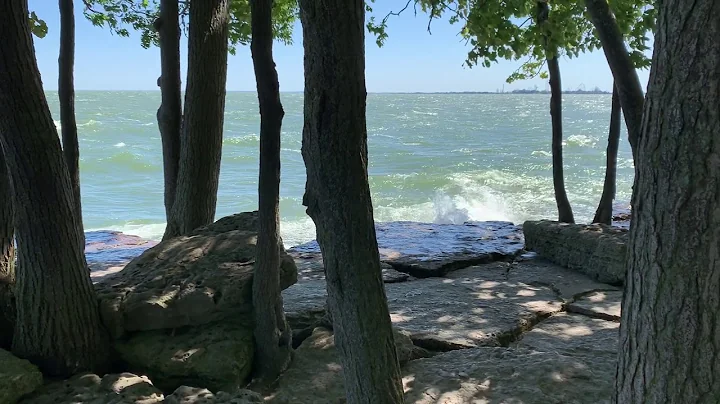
(216, 355)
(576, 336)
(316, 373)
(506, 375)
(443, 248)
(605, 305)
(18, 377)
(88, 388)
(479, 307)
(188, 281)
(596, 250)
(194, 395)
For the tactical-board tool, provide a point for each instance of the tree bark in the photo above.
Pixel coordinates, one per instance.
(273, 337)
(604, 212)
(565, 213)
(169, 115)
(669, 339)
(623, 70)
(337, 197)
(66, 95)
(202, 128)
(7, 258)
(58, 320)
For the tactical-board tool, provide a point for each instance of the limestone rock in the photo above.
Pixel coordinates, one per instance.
(18, 377)
(188, 281)
(506, 375)
(216, 356)
(310, 267)
(576, 336)
(316, 375)
(427, 249)
(600, 304)
(88, 388)
(479, 307)
(596, 250)
(193, 395)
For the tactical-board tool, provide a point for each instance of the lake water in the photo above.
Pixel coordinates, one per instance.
(443, 158)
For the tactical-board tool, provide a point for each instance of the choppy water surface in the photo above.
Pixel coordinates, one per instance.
(443, 158)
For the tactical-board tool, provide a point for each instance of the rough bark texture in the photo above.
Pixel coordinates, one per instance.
(7, 258)
(669, 339)
(565, 213)
(604, 212)
(627, 81)
(66, 94)
(58, 322)
(273, 337)
(169, 115)
(202, 128)
(338, 199)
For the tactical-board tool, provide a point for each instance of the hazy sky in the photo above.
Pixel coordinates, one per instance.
(411, 60)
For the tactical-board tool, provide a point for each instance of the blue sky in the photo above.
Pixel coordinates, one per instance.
(411, 60)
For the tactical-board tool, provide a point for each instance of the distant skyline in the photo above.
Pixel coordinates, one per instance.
(412, 60)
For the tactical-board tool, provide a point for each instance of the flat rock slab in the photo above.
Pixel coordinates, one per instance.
(506, 375)
(187, 281)
(427, 249)
(600, 304)
(483, 308)
(577, 336)
(310, 267)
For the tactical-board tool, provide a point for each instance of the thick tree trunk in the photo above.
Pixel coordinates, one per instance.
(58, 320)
(626, 79)
(66, 94)
(7, 258)
(273, 337)
(169, 115)
(337, 197)
(604, 212)
(565, 213)
(202, 128)
(669, 339)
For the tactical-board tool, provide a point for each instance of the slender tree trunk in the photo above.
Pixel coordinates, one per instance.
(66, 94)
(604, 212)
(565, 213)
(273, 337)
(337, 197)
(669, 339)
(626, 79)
(58, 320)
(7, 258)
(169, 115)
(202, 128)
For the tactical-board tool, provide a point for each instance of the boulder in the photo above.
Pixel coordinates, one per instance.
(430, 250)
(192, 280)
(18, 377)
(88, 388)
(596, 250)
(316, 375)
(194, 395)
(218, 356)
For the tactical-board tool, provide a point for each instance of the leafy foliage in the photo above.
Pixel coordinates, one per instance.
(122, 15)
(39, 27)
(508, 29)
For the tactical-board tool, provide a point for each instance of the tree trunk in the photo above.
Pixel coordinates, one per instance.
(604, 212)
(7, 258)
(169, 115)
(66, 95)
(669, 339)
(58, 320)
(273, 337)
(623, 70)
(565, 213)
(202, 128)
(337, 197)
